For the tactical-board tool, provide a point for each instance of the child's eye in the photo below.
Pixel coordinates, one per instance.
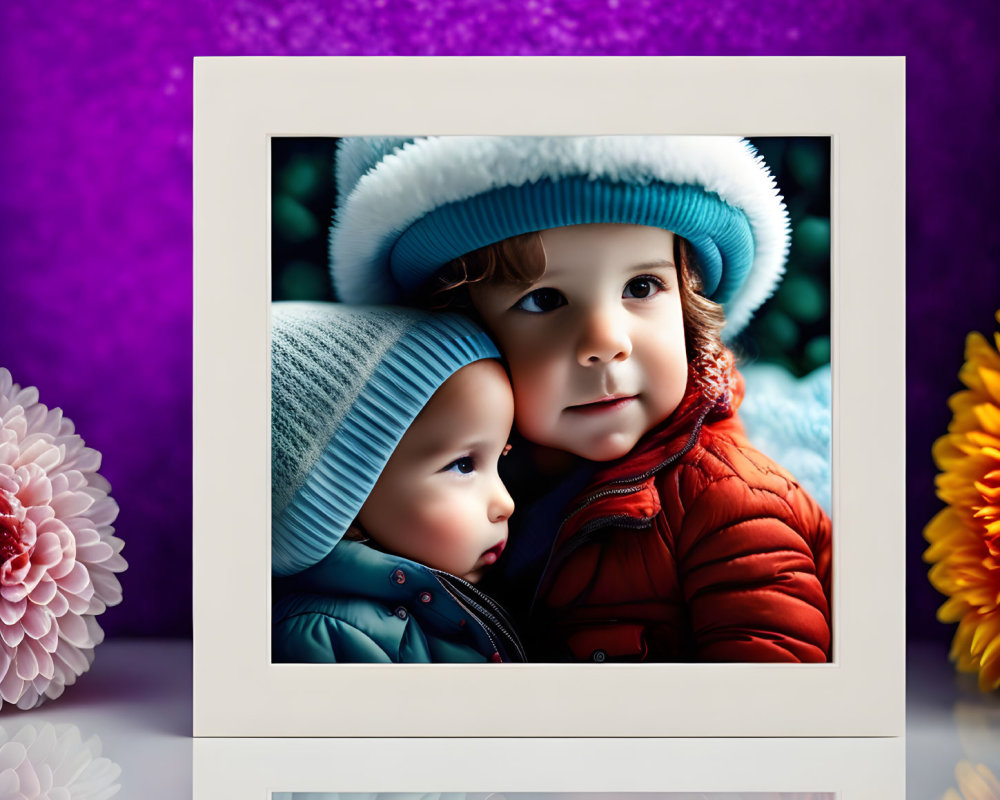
(641, 287)
(541, 301)
(463, 465)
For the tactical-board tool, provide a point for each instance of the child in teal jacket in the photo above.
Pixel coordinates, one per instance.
(387, 425)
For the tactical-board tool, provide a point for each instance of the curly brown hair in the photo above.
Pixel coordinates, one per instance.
(521, 260)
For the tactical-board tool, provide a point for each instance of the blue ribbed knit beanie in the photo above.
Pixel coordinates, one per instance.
(408, 206)
(346, 382)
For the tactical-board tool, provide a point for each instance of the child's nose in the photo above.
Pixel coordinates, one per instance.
(603, 337)
(502, 504)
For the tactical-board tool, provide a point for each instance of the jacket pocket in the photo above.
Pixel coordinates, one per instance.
(614, 641)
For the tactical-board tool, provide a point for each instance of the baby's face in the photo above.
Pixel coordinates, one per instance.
(596, 345)
(439, 501)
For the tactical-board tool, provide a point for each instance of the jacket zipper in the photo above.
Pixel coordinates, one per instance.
(624, 486)
(630, 483)
(482, 606)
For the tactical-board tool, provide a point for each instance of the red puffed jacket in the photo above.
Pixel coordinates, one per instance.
(693, 547)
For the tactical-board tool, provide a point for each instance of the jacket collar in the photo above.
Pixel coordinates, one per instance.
(623, 489)
(356, 569)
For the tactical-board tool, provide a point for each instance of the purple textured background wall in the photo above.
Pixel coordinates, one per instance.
(95, 204)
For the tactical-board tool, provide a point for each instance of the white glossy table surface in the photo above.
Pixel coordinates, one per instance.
(137, 701)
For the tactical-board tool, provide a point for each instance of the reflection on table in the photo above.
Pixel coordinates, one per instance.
(129, 718)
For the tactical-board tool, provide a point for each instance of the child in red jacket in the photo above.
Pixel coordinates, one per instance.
(606, 268)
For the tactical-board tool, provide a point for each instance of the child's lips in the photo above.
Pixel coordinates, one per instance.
(491, 555)
(612, 403)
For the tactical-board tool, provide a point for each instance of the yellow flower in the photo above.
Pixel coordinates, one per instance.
(974, 782)
(965, 536)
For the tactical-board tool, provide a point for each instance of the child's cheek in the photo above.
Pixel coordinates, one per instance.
(431, 509)
(539, 379)
(533, 410)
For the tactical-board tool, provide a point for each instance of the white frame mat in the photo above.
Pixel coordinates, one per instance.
(550, 769)
(241, 102)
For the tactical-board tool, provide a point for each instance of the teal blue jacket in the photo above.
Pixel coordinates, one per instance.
(362, 605)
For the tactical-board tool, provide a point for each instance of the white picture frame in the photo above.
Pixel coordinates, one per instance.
(551, 769)
(241, 102)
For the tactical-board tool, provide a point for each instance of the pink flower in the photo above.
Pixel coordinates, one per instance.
(53, 761)
(58, 554)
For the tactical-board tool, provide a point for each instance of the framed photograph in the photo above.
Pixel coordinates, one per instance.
(380, 143)
(536, 769)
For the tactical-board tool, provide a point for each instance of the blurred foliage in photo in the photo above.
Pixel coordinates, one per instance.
(302, 202)
(791, 329)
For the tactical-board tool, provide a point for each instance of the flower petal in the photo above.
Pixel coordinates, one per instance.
(73, 629)
(83, 531)
(988, 416)
(74, 762)
(12, 635)
(40, 451)
(94, 553)
(8, 453)
(104, 512)
(39, 515)
(43, 593)
(35, 574)
(25, 662)
(30, 697)
(50, 640)
(74, 658)
(58, 605)
(973, 782)
(115, 564)
(46, 667)
(12, 576)
(76, 581)
(95, 631)
(37, 621)
(78, 604)
(70, 504)
(11, 611)
(12, 755)
(106, 585)
(48, 550)
(87, 460)
(75, 480)
(11, 686)
(953, 609)
(59, 483)
(10, 785)
(987, 631)
(992, 652)
(26, 397)
(59, 571)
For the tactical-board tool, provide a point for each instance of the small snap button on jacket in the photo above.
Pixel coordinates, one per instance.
(425, 597)
(385, 618)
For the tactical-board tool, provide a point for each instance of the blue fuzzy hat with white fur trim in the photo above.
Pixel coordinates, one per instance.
(408, 206)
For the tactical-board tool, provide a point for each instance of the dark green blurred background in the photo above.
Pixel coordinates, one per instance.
(792, 328)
